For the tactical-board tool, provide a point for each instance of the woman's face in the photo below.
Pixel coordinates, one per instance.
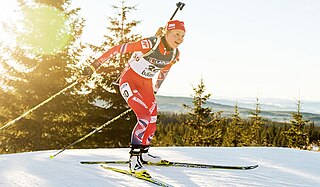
(174, 37)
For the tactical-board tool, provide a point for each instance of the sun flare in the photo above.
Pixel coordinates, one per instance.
(44, 29)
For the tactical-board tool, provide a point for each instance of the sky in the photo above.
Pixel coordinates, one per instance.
(246, 48)
(240, 48)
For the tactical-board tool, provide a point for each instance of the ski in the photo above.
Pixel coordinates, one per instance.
(179, 164)
(148, 179)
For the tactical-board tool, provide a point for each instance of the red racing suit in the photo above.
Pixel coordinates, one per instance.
(149, 56)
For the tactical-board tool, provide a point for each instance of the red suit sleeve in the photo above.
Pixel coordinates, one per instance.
(143, 45)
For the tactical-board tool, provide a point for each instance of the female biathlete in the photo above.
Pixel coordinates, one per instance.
(149, 56)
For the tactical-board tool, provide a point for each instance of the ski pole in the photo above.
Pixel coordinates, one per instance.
(92, 132)
(42, 103)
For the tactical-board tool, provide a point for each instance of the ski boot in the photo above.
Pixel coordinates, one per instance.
(147, 157)
(135, 164)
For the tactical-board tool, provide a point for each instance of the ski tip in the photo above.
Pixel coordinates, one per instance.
(51, 156)
(251, 167)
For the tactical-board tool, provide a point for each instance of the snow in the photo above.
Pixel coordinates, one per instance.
(277, 167)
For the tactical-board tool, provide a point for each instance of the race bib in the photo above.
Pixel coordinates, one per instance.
(126, 91)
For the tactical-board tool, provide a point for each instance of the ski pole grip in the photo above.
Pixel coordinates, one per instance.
(180, 5)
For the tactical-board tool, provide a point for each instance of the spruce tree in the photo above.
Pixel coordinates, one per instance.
(234, 134)
(201, 121)
(296, 135)
(255, 125)
(37, 64)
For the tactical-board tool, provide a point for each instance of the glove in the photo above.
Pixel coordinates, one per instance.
(89, 70)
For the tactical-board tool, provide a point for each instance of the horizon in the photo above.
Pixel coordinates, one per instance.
(266, 104)
(243, 98)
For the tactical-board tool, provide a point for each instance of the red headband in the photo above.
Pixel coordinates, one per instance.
(175, 24)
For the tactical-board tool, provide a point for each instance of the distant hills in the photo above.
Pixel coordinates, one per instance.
(272, 109)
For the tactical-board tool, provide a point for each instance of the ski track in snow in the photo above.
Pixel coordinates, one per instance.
(277, 167)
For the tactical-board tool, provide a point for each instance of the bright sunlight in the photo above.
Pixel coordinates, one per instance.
(44, 28)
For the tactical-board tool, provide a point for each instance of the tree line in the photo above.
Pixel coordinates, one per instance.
(203, 127)
(34, 68)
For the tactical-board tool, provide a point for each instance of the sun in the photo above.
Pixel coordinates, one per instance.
(45, 31)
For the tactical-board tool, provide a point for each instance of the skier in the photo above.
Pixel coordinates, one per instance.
(149, 56)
